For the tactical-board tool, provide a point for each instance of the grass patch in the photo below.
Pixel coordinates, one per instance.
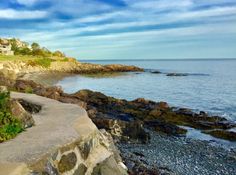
(65, 60)
(14, 57)
(44, 62)
(9, 125)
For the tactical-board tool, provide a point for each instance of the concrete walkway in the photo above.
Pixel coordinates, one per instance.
(56, 124)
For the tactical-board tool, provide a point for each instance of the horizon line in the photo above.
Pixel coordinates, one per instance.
(161, 59)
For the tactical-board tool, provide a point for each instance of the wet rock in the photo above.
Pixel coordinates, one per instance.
(159, 116)
(176, 74)
(137, 165)
(163, 105)
(156, 72)
(223, 134)
(143, 170)
(167, 128)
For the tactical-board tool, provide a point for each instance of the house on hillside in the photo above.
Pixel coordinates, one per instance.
(5, 47)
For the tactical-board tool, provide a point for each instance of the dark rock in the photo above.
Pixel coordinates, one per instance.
(176, 74)
(81, 170)
(143, 170)
(159, 116)
(49, 170)
(156, 72)
(163, 105)
(85, 149)
(122, 130)
(223, 134)
(30, 107)
(138, 154)
(137, 165)
(22, 85)
(67, 162)
(167, 128)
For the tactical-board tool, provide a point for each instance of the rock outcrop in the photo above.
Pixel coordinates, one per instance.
(176, 74)
(63, 141)
(158, 116)
(13, 69)
(21, 114)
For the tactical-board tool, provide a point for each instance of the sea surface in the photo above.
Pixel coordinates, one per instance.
(210, 85)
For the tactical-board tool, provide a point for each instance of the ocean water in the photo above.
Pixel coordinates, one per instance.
(210, 86)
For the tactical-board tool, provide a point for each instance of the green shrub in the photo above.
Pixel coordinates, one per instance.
(29, 90)
(65, 60)
(4, 101)
(58, 54)
(9, 125)
(44, 62)
(22, 51)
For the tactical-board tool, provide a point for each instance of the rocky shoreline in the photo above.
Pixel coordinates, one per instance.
(128, 121)
(171, 155)
(16, 69)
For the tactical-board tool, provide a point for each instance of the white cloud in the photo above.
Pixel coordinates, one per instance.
(14, 14)
(162, 4)
(189, 16)
(126, 27)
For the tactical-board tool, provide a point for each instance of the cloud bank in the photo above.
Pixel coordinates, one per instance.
(125, 29)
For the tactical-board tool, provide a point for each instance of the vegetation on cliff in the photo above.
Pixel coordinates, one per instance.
(23, 48)
(33, 54)
(9, 125)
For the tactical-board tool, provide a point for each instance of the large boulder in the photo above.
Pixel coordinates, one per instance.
(21, 114)
(132, 131)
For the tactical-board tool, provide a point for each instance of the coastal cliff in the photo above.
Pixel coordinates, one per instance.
(36, 59)
(16, 68)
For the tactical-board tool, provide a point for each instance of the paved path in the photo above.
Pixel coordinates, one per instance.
(56, 124)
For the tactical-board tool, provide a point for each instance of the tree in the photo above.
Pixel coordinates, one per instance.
(58, 54)
(14, 46)
(35, 46)
(24, 51)
(38, 52)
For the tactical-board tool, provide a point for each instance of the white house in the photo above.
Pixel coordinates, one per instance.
(5, 47)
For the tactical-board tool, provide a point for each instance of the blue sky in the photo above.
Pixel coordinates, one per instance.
(125, 29)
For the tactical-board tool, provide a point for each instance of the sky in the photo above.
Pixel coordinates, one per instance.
(125, 29)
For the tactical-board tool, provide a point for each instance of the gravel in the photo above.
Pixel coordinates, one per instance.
(183, 156)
